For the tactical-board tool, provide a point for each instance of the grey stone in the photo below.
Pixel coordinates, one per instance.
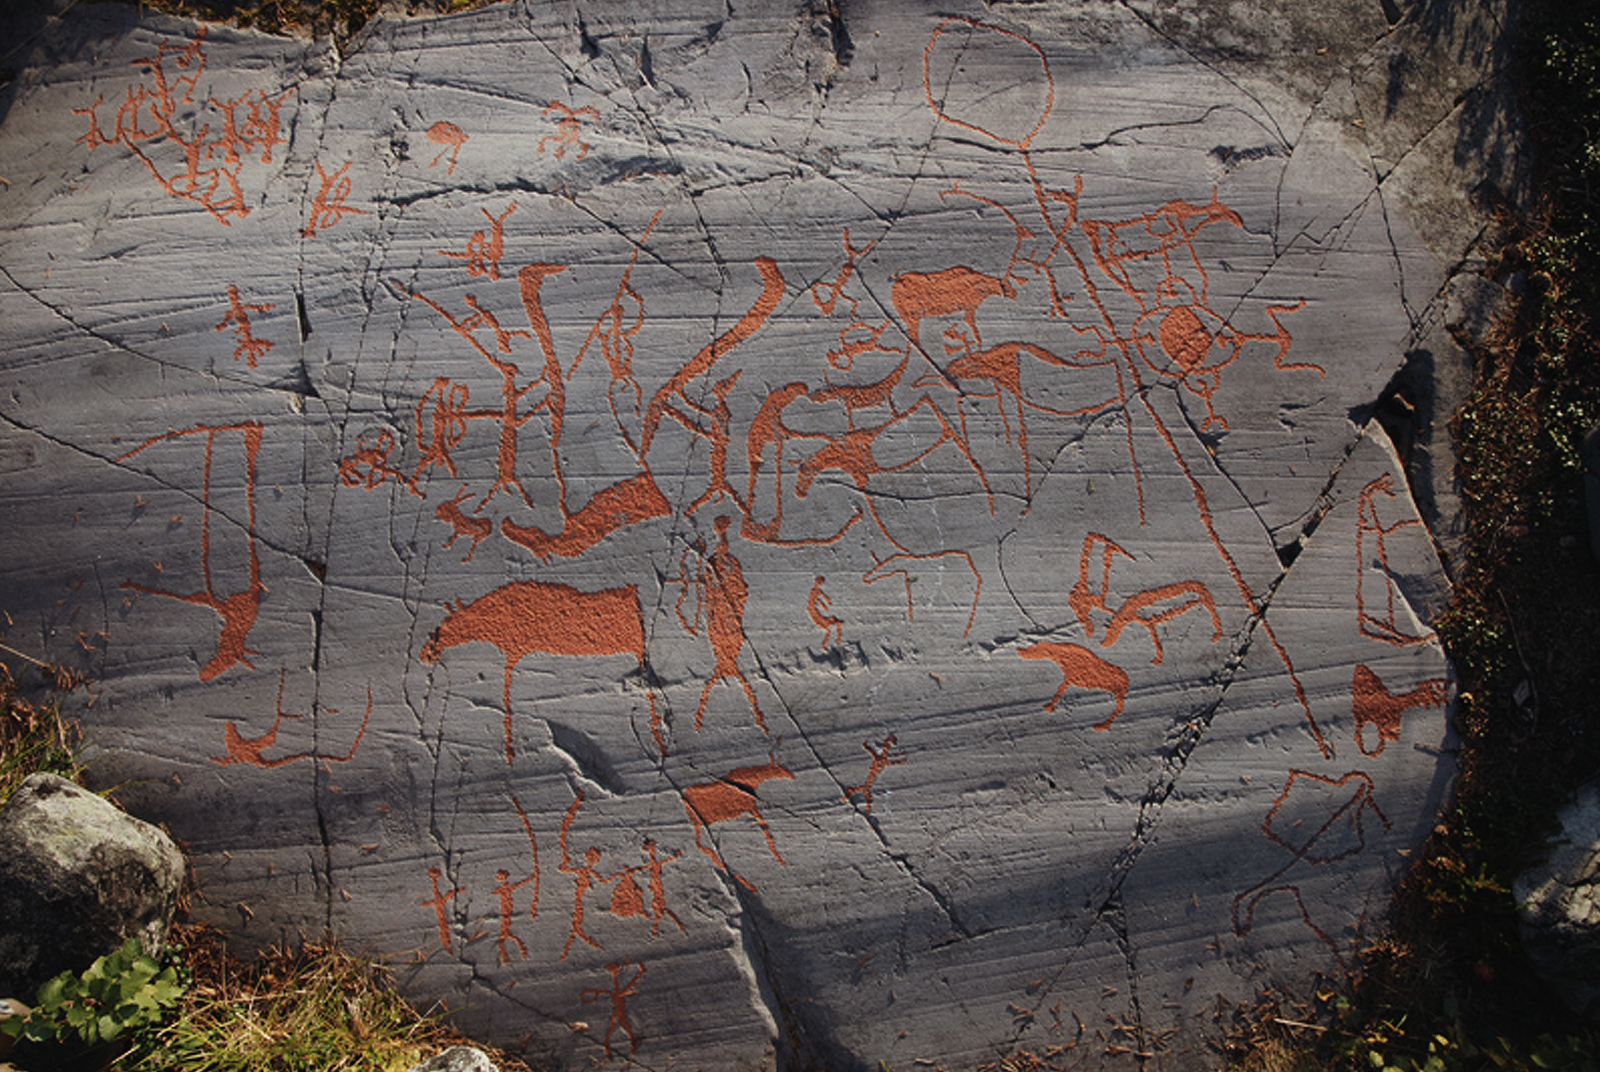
(1558, 905)
(78, 878)
(814, 534)
(457, 1059)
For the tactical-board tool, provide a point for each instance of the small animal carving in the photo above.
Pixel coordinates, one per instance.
(729, 797)
(1082, 669)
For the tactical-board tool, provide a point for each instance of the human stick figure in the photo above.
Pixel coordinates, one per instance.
(619, 994)
(506, 891)
(882, 759)
(585, 876)
(438, 901)
(818, 605)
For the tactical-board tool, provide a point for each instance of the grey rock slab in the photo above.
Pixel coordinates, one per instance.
(458, 1059)
(78, 878)
(1557, 908)
(756, 536)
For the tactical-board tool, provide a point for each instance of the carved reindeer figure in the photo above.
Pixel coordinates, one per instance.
(477, 529)
(729, 797)
(1148, 608)
(1372, 704)
(1082, 669)
(919, 295)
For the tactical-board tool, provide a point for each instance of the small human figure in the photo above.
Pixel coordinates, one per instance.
(452, 138)
(585, 877)
(506, 891)
(250, 347)
(658, 893)
(818, 605)
(619, 995)
(882, 758)
(567, 128)
(437, 903)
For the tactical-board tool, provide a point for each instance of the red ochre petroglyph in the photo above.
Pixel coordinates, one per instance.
(438, 902)
(484, 251)
(919, 295)
(1160, 328)
(1158, 248)
(627, 899)
(584, 877)
(1081, 669)
(248, 750)
(477, 529)
(732, 795)
(937, 102)
(368, 465)
(202, 168)
(618, 993)
(882, 759)
(452, 137)
(720, 595)
(328, 206)
(627, 503)
(239, 609)
(614, 332)
(817, 605)
(1372, 704)
(666, 402)
(506, 891)
(851, 453)
(524, 618)
(1144, 608)
(1001, 367)
(1380, 621)
(1345, 801)
(250, 348)
(568, 128)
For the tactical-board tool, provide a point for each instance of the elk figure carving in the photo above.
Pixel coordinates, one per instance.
(524, 618)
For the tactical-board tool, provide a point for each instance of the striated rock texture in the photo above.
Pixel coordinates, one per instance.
(773, 532)
(78, 878)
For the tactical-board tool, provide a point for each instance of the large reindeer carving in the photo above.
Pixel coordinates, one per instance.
(526, 618)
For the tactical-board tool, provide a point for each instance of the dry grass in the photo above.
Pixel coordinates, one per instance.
(34, 737)
(312, 1009)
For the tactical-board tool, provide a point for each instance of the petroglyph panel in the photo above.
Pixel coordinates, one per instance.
(719, 536)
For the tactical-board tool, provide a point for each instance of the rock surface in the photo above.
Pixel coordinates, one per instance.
(78, 878)
(809, 533)
(458, 1059)
(1558, 905)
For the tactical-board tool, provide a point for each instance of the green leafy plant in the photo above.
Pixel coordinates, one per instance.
(116, 996)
